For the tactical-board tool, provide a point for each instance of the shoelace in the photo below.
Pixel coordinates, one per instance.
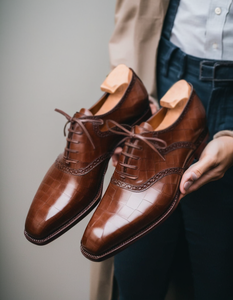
(73, 129)
(132, 135)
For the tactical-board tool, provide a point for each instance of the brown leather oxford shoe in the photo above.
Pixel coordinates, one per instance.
(144, 189)
(72, 186)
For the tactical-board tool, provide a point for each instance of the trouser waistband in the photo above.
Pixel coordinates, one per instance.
(204, 69)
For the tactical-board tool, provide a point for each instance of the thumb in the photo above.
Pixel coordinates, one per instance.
(193, 173)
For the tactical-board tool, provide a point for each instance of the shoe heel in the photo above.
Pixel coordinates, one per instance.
(201, 147)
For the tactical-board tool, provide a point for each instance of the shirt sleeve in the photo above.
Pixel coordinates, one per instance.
(223, 133)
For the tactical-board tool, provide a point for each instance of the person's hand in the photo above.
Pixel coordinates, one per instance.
(153, 106)
(118, 150)
(214, 161)
(116, 156)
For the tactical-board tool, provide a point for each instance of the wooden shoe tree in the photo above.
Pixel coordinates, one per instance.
(115, 84)
(173, 102)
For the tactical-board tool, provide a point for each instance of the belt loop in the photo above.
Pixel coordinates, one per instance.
(167, 59)
(206, 70)
(183, 62)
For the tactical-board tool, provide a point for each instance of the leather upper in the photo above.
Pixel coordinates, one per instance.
(143, 189)
(74, 181)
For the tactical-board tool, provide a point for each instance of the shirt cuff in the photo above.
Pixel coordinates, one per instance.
(223, 133)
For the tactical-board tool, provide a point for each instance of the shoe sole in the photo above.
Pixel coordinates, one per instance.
(72, 222)
(201, 142)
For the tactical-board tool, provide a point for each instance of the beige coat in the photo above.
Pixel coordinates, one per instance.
(138, 26)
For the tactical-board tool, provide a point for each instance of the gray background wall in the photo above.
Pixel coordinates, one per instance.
(53, 54)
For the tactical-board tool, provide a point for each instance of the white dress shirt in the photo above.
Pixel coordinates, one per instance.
(204, 28)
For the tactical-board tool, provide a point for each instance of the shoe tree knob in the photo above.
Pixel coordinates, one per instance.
(120, 76)
(178, 93)
(115, 84)
(174, 100)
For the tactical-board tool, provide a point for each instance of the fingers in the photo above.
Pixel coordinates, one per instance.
(153, 108)
(116, 156)
(115, 159)
(118, 151)
(194, 176)
(204, 179)
(153, 105)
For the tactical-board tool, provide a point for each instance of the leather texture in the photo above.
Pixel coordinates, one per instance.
(72, 186)
(144, 189)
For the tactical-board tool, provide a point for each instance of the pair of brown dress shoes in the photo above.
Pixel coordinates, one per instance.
(144, 189)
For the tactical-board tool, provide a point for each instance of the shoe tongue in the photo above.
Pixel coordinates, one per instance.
(82, 112)
(86, 112)
(143, 127)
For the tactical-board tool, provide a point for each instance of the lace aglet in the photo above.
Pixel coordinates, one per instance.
(163, 158)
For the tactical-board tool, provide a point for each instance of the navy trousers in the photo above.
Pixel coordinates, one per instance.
(204, 219)
(201, 228)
